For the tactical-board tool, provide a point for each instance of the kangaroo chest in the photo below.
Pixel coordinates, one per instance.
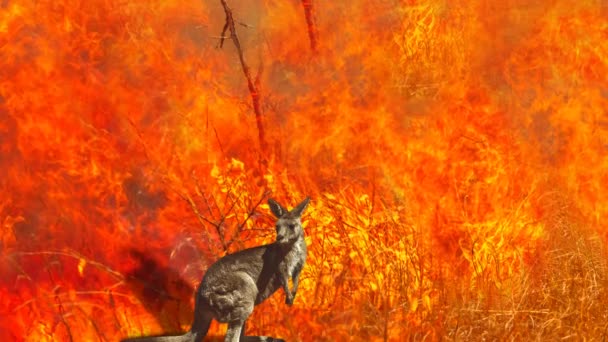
(294, 259)
(289, 265)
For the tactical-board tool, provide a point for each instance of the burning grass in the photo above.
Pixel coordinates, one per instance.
(455, 154)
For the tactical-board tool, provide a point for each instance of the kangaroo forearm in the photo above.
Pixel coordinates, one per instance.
(285, 285)
(296, 282)
(288, 293)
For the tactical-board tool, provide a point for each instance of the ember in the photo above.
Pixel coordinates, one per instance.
(454, 152)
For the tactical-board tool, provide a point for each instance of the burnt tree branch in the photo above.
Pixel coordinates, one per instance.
(251, 212)
(309, 13)
(252, 85)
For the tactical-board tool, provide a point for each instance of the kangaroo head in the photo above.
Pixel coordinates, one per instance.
(289, 224)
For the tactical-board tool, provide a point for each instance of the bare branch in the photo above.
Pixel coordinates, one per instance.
(309, 13)
(249, 214)
(245, 24)
(251, 85)
(60, 307)
(201, 218)
(73, 254)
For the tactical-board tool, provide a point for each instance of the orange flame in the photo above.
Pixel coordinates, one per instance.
(454, 151)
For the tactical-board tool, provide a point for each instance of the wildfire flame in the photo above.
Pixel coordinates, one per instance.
(455, 152)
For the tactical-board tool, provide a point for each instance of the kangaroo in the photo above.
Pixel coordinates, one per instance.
(234, 284)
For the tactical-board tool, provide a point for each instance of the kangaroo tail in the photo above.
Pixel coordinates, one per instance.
(200, 326)
(187, 337)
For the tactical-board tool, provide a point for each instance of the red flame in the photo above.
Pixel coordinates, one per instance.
(454, 151)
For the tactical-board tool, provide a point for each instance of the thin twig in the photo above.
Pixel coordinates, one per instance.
(508, 312)
(60, 307)
(76, 255)
(249, 214)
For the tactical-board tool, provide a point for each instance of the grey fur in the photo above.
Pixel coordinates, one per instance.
(236, 283)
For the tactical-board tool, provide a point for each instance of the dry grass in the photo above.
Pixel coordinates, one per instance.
(455, 152)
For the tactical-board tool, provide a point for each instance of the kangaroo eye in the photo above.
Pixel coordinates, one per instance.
(292, 226)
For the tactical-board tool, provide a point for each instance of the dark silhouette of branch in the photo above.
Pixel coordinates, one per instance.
(309, 13)
(253, 86)
(251, 212)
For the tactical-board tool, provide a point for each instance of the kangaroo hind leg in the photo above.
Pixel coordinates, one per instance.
(201, 326)
(202, 318)
(234, 331)
(233, 301)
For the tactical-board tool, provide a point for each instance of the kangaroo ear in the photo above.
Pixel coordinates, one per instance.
(277, 209)
(299, 209)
